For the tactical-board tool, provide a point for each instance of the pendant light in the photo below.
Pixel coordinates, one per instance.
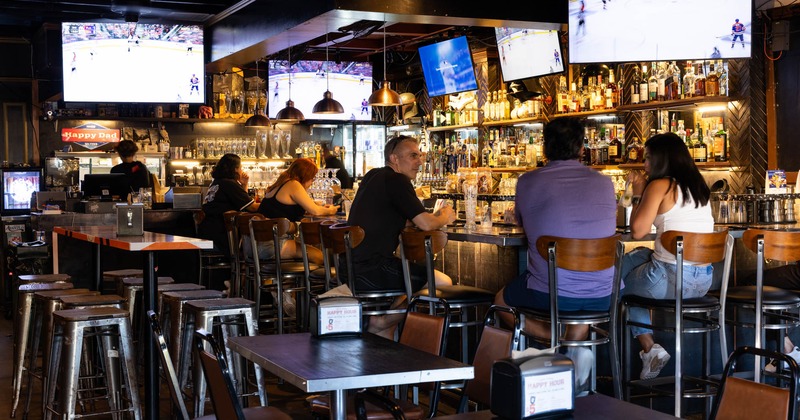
(290, 112)
(384, 96)
(327, 105)
(258, 119)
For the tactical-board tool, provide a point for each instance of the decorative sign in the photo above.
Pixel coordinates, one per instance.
(90, 135)
(775, 182)
(545, 393)
(339, 319)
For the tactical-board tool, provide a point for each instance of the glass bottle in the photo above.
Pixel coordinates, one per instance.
(612, 93)
(635, 86)
(688, 82)
(487, 107)
(700, 81)
(722, 72)
(599, 93)
(700, 151)
(661, 83)
(720, 143)
(506, 107)
(644, 94)
(633, 151)
(576, 96)
(652, 84)
(562, 99)
(708, 141)
(712, 81)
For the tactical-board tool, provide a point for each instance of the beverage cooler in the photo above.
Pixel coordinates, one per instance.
(100, 162)
(363, 142)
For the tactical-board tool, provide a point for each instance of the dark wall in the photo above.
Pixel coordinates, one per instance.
(787, 96)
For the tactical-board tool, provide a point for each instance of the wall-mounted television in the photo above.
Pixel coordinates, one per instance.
(132, 62)
(640, 30)
(447, 67)
(526, 53)
(350, 84)
(18, 187)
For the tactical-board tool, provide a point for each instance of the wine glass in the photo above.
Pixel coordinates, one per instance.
(286, 142)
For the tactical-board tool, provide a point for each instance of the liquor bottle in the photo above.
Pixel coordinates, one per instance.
(652, 83)
(587, 149)
(576, 96)
(722, 72)
(708, 140)
(699, 81)
(506, 107)
(720, 144)
(635, 97)
(614, 150)
(712, 81)
(633, 151)
(688, 82)
(644, 94)
(599, 93)
(698, 145)
(673, 124)
(485, 153)
(661, 83)
(602, 148)
(682, 132)
(612, 93)
(563, 95)
(530, 151)
(487, 106)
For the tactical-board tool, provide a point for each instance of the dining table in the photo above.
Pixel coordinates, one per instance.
(147, 244)
(337, 364)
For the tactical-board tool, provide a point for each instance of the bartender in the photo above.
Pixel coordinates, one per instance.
(136, 173)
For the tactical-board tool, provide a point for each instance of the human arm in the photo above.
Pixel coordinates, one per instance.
(431, 221)
(300, 196)
(649, 197)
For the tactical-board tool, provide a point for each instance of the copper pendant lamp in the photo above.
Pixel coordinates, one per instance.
(290, 112)
(384, 96)
(258, 119)
(327, 105)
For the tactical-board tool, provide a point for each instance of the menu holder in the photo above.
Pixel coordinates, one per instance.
(130, 219)
(533, 387)
(335, 316)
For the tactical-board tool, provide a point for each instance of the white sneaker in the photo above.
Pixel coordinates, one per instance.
(653, 361)
(583, 361)
(289, 304)
(794, 353)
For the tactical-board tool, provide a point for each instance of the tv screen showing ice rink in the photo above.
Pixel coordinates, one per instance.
(133, 62)
(649, 30)
(447, 67)
(526, 53)
(350, 83)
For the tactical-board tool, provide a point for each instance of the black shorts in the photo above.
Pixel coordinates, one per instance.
(383, 273)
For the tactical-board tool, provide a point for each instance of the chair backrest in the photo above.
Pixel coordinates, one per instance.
(327, 245)
(424, 331)
(197, 217)
(495, 344)
(168, 367)
(343, 238)
(739, 398)
(310, 232)
(704, 248)
(421, 246)
(229, 218)
(218, 376)
(241, 222)
(778, 245)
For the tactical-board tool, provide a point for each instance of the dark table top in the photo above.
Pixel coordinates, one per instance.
(329, 364)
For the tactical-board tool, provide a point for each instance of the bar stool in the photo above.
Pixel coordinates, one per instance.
(211, 260)
(23, 327)
(35, 279)
(239, 236)
(584, 255)
(174, 287)
(70, 325)
(229, 314)
(112, 278)
(92, 301)
(699, 248)
(173, 315)
(131, 288)
(778, 306)
(310, 234)
(464, 301)
(229, 217)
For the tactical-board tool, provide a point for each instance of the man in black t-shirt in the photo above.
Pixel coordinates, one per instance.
(136, 173)
(384, 205)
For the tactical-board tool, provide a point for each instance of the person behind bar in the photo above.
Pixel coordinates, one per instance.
(136, 174)
(674, 196)
(333, 161)
(228, 191)
(288, 197)
(385, 204)
(564, 199)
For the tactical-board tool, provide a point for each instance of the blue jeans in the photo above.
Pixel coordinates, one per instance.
(647, 277)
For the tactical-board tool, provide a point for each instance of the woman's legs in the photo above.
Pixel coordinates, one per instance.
(291, 249)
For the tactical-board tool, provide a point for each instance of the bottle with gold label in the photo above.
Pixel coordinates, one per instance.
(712, 81)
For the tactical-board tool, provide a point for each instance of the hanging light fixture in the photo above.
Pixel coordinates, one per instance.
(384, 96)
(290, 112)
(327, 105)
(258, 119)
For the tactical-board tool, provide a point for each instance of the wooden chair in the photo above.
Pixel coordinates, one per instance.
(700, 248)
(211, 260)
(778, 306)
(739, 398)
(464, 301)
(223, 393)
(584, 255)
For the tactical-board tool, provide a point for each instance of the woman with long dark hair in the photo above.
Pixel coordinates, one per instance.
(673, 196)
(227, 192)
(288, 197)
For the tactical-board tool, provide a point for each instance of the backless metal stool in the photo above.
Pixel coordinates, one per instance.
(229, 314)
(174, 319)
(112, 278)
(45, 303)
(131, 288)
(70, 326)
(23, 318)
(92, 301)
(36, 278)
(174, 287)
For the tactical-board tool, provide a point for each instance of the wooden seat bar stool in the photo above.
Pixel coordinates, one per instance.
(699, 248)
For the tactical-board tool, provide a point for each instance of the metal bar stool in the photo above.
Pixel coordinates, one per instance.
(70, 329)
(35, 278)
(229, 314)
(584, 255)
(111, 278)
(131, 289)
(23, 328)
(174, 287)
(699, 248)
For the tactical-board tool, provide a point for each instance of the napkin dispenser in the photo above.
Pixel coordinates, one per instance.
(130, 219)
(533, 387)
(335, 316)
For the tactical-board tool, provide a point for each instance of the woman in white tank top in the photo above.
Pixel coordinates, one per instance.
(674, 196)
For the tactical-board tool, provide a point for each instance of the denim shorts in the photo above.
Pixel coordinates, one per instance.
(651, 278)
(517, 294)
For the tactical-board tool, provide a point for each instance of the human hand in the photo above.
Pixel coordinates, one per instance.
(448, 213)
(638, 181)
(244, 179)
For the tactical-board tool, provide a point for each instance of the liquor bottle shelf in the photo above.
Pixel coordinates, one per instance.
(481, 197)
(675, 103)
(452, 127)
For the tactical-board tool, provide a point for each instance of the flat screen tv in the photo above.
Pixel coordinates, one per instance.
(643, 30)
(132, 62)
(447, 67)
(526, 53)
(18, 187)
(350, 84)
(105, 187)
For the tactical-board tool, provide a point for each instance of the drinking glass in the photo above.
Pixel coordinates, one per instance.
(286, 142)
(146, 197)
(470, 188)
(274, 144)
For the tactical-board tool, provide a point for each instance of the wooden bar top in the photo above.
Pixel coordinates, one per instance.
(150, 241)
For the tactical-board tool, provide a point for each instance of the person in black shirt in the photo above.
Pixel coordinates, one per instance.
(332, 161)
(227, 192)
(136, 174)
